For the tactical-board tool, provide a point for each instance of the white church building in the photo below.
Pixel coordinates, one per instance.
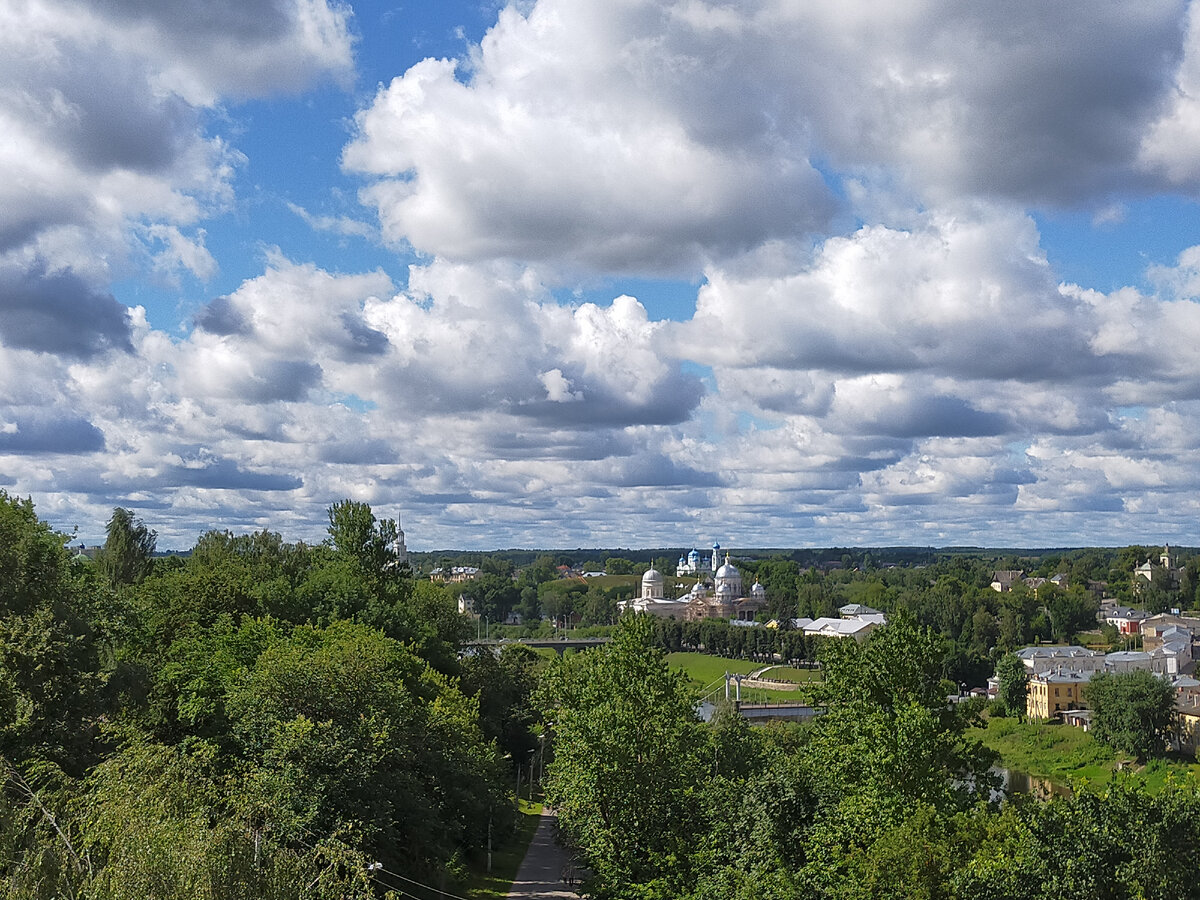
(718, 593)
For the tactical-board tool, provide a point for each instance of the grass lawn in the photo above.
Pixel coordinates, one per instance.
(702, 670)
(1061, 753)
(505, 860)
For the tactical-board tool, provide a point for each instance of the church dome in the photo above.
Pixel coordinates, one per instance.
(728, 570)
(652, 576)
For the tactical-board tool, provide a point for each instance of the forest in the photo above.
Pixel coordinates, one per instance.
(260, 719)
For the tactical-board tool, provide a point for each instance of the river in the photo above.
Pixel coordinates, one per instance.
(1015, 782)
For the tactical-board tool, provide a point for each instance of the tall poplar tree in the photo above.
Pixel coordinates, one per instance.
(126, 557)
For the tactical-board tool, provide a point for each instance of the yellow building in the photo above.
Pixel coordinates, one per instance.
(1187, 731)
(1052, 692)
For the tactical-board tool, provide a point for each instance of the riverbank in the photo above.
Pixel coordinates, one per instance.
(1062, 754)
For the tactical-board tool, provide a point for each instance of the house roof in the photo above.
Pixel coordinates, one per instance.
(857, 609)
(840, 627)
(1063, 676)
(1069, 652)
(1129, 656)
(1125, 612)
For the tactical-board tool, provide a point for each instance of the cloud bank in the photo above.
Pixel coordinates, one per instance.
(881, 350)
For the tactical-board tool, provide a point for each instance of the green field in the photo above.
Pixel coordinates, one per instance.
(1064, 754)
(705, 671)
(787, 673)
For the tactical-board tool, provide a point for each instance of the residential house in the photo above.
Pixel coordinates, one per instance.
(1157, 629)
(1004, 579)
(857, 609)
(1126, 620)
(1187, 714)
(455, 575)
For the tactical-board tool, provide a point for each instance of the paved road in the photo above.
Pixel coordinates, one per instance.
(540, 875)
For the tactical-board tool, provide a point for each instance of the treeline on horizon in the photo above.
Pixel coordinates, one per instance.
(806, 557)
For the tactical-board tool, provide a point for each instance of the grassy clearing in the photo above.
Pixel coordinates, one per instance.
(702, 670)
(506, 860)
(1064, 754)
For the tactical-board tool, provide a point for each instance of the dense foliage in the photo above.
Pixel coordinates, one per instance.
(266, 719)
(888, 795)
(1132, 711)
(263, 719)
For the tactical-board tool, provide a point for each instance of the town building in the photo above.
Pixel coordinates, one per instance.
(1168, 570)
(1126, 620)
(455, 574)
(1052, 691)
(1043, 659)
(721, 597)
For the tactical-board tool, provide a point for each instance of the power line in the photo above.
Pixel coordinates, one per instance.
(378, 867)
(420, 884)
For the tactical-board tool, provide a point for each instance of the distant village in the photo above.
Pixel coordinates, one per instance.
(1059, 675)
(1165, 643)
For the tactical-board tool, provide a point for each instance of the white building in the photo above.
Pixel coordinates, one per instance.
(652, 600)
(1042, 659)
(722, 597)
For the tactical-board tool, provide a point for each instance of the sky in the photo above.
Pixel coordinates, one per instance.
(559, 273)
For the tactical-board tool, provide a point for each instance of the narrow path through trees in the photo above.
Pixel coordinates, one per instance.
(545, 866)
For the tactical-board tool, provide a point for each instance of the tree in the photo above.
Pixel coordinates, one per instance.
(126, 557)
(1131, 711)
(51, 684)
(1014, 686)
(1070, 611)
(628, 758)
(504, 687)
(493, 596)
(618, 565)
(356, 533)
(889, 731)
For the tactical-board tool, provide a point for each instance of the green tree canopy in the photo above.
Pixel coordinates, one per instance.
(1013, 690)
(126, 557)
(1131, 711)
(628, 760)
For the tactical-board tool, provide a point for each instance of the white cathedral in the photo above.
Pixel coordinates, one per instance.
(717, 593)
